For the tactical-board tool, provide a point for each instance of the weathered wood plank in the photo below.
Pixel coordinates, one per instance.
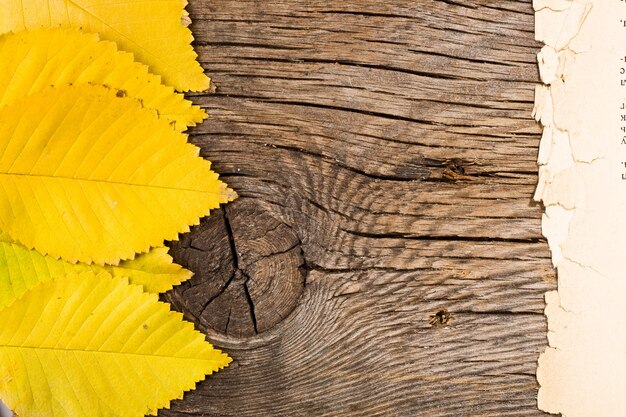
(385, 157)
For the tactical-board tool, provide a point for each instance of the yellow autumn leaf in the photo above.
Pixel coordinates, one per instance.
(33, 61)
(94, 346)
(151, 30)
(153, 270)
(89, 176)
(21, 269)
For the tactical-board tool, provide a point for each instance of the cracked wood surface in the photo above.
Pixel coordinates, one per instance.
(384, 258)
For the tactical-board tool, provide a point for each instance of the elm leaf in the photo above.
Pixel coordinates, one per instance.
(94, 346)
(21, 269)
(152, 30)
(89, 175)
(33, 61)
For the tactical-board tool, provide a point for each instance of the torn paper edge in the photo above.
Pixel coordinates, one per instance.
(557, 23)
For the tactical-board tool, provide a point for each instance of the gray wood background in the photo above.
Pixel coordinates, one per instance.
(385, 257)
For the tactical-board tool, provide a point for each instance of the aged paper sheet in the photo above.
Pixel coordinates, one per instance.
(582, 184)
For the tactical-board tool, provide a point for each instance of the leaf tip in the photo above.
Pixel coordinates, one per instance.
(229, 194)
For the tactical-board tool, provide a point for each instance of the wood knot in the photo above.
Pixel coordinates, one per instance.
(248, 271)
(450, 170)
(440, 319)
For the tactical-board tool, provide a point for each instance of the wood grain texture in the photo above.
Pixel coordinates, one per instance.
(385, 157)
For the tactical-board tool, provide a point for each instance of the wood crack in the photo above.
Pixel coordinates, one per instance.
(383, 154)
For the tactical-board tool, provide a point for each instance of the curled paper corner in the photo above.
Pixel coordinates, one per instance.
(542, 111)
(555, 224)
(545, 147)
(548, 59)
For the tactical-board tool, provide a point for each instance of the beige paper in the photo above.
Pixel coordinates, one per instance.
(582, 183)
